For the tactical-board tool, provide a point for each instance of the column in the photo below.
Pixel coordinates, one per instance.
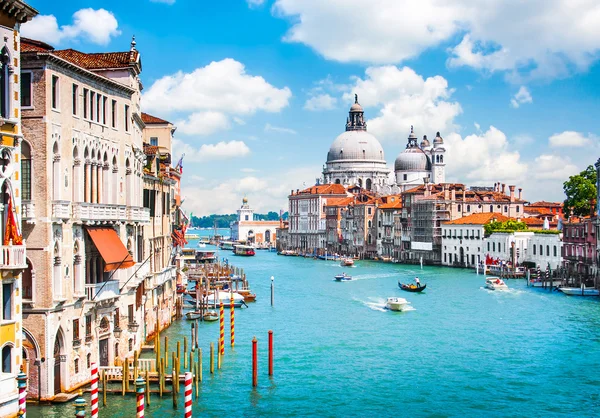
(99, 187)
(88, 181)
(93, 183)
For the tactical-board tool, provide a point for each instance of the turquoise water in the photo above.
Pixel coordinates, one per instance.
(461, 351)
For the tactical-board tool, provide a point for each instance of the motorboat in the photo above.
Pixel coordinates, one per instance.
(579, 291)
(193, 315)
(244, 250)
(347, 262)
(201, 245)
(343, 277)
(495, 283)
(396, 304)
(247, 294)
(411, 287)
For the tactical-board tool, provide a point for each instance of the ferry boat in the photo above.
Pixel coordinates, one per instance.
(226, 245)
(188, 255)
(495, 283)
(396, 304)
(206, 256)
(244, 250)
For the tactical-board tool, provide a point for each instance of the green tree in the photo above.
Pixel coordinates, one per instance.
(581, 193)
(508, 226)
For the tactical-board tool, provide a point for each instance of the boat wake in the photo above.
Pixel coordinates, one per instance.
(378, 304)
(374, 276)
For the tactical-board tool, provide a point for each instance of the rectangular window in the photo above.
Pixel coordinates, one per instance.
(75, 329)
(75, 98)
(88, 325)
(126, 118)
(114, 113)
(85, 103)
(55, 92)
(104, 104)
(92, 101)
(130, 313)
(98, 107)
(117, 318)
(154, 141)
(26, 178)
(7, 301)
(26, 90)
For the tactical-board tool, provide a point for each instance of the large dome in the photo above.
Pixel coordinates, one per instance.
(355, 145)
(412, 159)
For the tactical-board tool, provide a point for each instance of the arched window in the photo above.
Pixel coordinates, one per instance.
(441, 158)
(5, 83)
(25, 171)
(548, 250)
(533, 249)
(494, 246)
(459, 208)
(541, 250)
(370, 224)
(369, 238)
(491, 208)
(468, 208)
(359, 182)
(76, 365)
(369, 184)
(89, 360)
(27, 280)
(337, 181)
(555, 251)
(7, 359)
(405, 177)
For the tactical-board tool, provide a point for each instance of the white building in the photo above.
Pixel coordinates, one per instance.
(545, 249)
(246, 229)
(463, 239)
(499, 245)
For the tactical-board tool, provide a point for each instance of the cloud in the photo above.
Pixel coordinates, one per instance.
(96, 26)
(203, 123)
(271, 128)
(570, 139)
(490, 36)
(320, 102)
(255, 3)
(219, 151)
(522, 96)
(249, 170)
(553, 167)
(495, 159)
(405, 99)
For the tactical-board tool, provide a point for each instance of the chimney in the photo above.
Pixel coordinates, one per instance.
(512, 193)
(453, 195)
(520, 190)
(292, 192)
(503, 188)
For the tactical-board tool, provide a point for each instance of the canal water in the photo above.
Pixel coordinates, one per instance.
(460, 350)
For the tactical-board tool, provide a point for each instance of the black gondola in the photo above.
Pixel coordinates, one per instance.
(409, 288)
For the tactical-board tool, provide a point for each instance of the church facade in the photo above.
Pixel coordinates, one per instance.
(248, 230)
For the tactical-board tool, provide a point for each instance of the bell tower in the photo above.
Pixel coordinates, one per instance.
(438, 160)
(245, 213)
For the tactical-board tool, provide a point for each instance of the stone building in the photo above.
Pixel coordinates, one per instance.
(386, 227)
(358, 226)
(579, 247)
(84, 285)
(247, 229)
(544, 249)
(13, 167)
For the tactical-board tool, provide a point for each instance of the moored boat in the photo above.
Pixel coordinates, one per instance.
(411, 287)
(396, 304)
(211, 316)
(193, 315)
(247, 294)
(347, 262)
(206, 256)
(579, 291)
(495, 283)
(244, 250)
(343, 277)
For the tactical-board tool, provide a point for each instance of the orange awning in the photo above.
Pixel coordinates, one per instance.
(111, 248)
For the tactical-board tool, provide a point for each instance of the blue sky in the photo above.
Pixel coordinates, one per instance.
(260, 89)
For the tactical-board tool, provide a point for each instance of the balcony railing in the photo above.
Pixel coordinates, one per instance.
(158, 279)
(102, 291)
(99, 212)
(28, 210)
(138, 214)
(13, 257)
(61, 209)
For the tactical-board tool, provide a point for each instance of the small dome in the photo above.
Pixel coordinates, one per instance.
(245, 200)
(438, 140)
(412, 159)
(355, 145)
(425, 142)
(356, 108)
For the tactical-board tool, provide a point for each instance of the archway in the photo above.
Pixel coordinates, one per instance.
(30, 355)
(57, 354)
(267, 236)
(369, 183)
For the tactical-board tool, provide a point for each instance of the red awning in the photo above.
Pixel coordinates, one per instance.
(111, 248)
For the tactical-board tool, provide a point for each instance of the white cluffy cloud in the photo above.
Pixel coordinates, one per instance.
(405, 99)
(320, 102)
(219, 91)
(203, 123)
(522, 96)
(271, 128)
(209, 152)
(570, 139)
(494, 35)
(96, 26)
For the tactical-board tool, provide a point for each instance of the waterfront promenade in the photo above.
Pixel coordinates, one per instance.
(462, 351)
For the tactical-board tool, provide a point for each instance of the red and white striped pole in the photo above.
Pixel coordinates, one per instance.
(22, 384)
(188, 395)
(94, 395)
(140, 385)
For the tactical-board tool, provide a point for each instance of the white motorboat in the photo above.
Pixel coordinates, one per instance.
(396, 304)
(579, 291)
(347, 262)
(343, 277)
(495, 283)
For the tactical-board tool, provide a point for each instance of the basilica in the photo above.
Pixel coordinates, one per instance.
(356, 158)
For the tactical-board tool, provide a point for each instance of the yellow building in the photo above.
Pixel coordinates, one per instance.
(13, 256)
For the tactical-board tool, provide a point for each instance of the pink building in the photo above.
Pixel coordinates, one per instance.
(579, 246)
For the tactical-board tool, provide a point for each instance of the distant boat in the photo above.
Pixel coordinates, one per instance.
(347, 262)
(411, 287)
(579, 291)
(343, 277)
(192, 236)
(211, 316)
(244, 250)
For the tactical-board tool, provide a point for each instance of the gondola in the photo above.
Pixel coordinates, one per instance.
(411, 288)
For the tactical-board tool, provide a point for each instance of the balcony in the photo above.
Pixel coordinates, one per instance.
(158, 279)
(102, 291)
(28, 208)
(61, 209)
(138, 214)
(86, 212)
(13, 257)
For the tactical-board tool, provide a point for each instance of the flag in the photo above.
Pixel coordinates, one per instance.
(179, 166)
(12, 232)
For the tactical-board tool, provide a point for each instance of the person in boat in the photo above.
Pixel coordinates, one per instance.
(418, 282)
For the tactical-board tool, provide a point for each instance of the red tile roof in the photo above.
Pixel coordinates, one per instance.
(323, 189)
(151, 120)
(479, 219)
(31, 45)
(391, 202)
(544, 204)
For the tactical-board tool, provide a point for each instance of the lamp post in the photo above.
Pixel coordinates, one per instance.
(272, 290)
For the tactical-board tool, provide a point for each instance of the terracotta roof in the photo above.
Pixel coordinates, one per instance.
(323, 189)
(479, 219)
(391, 202)
(31, 45)
(151, 120)
(436, 188)
(537, 210)
(544, 204)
